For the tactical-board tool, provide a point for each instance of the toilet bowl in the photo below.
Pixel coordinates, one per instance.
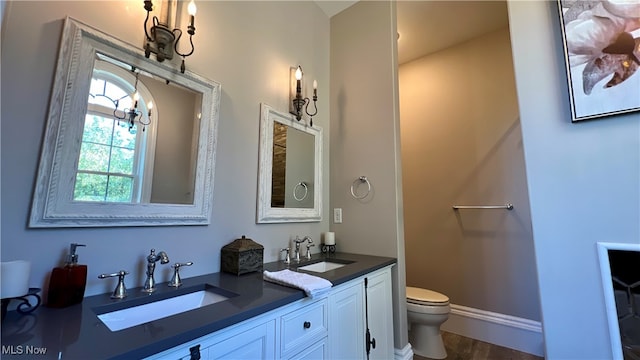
(426, 311)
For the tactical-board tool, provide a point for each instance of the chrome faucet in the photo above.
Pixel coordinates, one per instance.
(150, 282)
(297, 242)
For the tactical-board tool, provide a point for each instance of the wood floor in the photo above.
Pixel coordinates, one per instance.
(463, 348)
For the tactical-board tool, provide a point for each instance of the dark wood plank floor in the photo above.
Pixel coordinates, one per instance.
(463, 348)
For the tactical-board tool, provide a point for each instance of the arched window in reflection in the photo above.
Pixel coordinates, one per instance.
(115, 161)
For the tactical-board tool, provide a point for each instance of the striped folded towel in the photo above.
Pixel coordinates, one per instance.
(312, 285)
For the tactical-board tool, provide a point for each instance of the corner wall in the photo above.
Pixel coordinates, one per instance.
(365, 140)
(583, 181)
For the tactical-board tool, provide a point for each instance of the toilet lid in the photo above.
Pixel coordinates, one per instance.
(424, 296)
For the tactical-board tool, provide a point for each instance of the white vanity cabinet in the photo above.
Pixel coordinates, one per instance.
(331, 327)
(364, 301)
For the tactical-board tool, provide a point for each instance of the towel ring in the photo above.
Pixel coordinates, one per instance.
(358, 181)
(295, 188)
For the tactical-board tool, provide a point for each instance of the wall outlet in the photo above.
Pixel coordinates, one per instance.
(337, 216)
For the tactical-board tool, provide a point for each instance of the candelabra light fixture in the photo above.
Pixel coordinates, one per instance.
(297, 101)
(160, 38)
(133, 114)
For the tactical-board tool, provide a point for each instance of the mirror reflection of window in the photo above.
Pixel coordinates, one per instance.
(111, 164)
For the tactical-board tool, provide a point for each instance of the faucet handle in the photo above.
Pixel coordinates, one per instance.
(309, 245)
(175, 280)
(120, 291)
(287, 259)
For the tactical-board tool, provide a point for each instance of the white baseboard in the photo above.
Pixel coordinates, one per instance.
(499, 329)
(403, 354)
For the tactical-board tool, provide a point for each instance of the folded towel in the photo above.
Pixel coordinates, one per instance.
(312, 285)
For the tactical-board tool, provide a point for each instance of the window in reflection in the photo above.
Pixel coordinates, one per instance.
(112, 157)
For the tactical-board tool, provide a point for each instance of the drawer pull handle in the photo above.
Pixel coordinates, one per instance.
(194, 352)
(307, 324)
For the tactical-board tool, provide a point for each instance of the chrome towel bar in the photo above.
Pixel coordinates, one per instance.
(507, 206)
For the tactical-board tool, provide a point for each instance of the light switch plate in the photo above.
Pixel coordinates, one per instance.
(337, 216)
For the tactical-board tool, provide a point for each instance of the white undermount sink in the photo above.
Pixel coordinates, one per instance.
(322, 266)
(136, 315)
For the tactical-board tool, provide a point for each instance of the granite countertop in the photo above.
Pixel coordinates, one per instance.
(76, 332)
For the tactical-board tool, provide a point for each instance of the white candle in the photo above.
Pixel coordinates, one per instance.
(15, 278)
(329, 238)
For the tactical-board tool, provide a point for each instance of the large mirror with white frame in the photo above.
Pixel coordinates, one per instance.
(129, 141)
(290, 169)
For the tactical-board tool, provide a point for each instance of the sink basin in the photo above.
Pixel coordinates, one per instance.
(323, 266)
(176, 303)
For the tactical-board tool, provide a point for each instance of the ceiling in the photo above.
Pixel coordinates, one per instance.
(428, 26)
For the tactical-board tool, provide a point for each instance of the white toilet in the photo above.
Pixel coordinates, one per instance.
(426, 311)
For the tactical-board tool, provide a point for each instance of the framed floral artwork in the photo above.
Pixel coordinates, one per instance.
(602, 51)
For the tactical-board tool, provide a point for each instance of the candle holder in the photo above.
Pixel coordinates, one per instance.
(328, 248)
(25, 306)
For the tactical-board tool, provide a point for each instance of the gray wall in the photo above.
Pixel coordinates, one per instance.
(584, 186)
(173, 170)
(462, 145)
(233, 48)
(365, 138)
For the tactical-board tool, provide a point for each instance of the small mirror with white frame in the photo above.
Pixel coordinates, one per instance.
(290, 169)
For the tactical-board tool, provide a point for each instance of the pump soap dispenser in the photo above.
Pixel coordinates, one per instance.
(67, 283)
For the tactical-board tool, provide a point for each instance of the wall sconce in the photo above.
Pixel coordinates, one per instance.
(132, 114)
(161, 40)
(297, 101)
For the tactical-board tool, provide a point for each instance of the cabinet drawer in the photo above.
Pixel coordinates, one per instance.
(303, 327)
(317, 351)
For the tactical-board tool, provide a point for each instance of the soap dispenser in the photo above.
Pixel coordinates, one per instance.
(67, 283)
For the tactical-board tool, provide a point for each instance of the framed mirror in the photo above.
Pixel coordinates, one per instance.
(290, 169)
(128, 142)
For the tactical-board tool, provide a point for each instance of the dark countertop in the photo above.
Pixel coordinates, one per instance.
(76, 332)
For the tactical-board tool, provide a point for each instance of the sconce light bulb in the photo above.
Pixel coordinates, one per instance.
(299, 73)
(191, 8)
(150, 105)
(315, 84)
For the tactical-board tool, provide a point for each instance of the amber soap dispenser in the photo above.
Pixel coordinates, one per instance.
(67, 283)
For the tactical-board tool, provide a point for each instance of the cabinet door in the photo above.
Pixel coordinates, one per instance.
(252, 344)
(346, 323)
(379, 304)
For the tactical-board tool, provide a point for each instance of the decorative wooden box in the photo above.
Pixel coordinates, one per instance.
(242, 256)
